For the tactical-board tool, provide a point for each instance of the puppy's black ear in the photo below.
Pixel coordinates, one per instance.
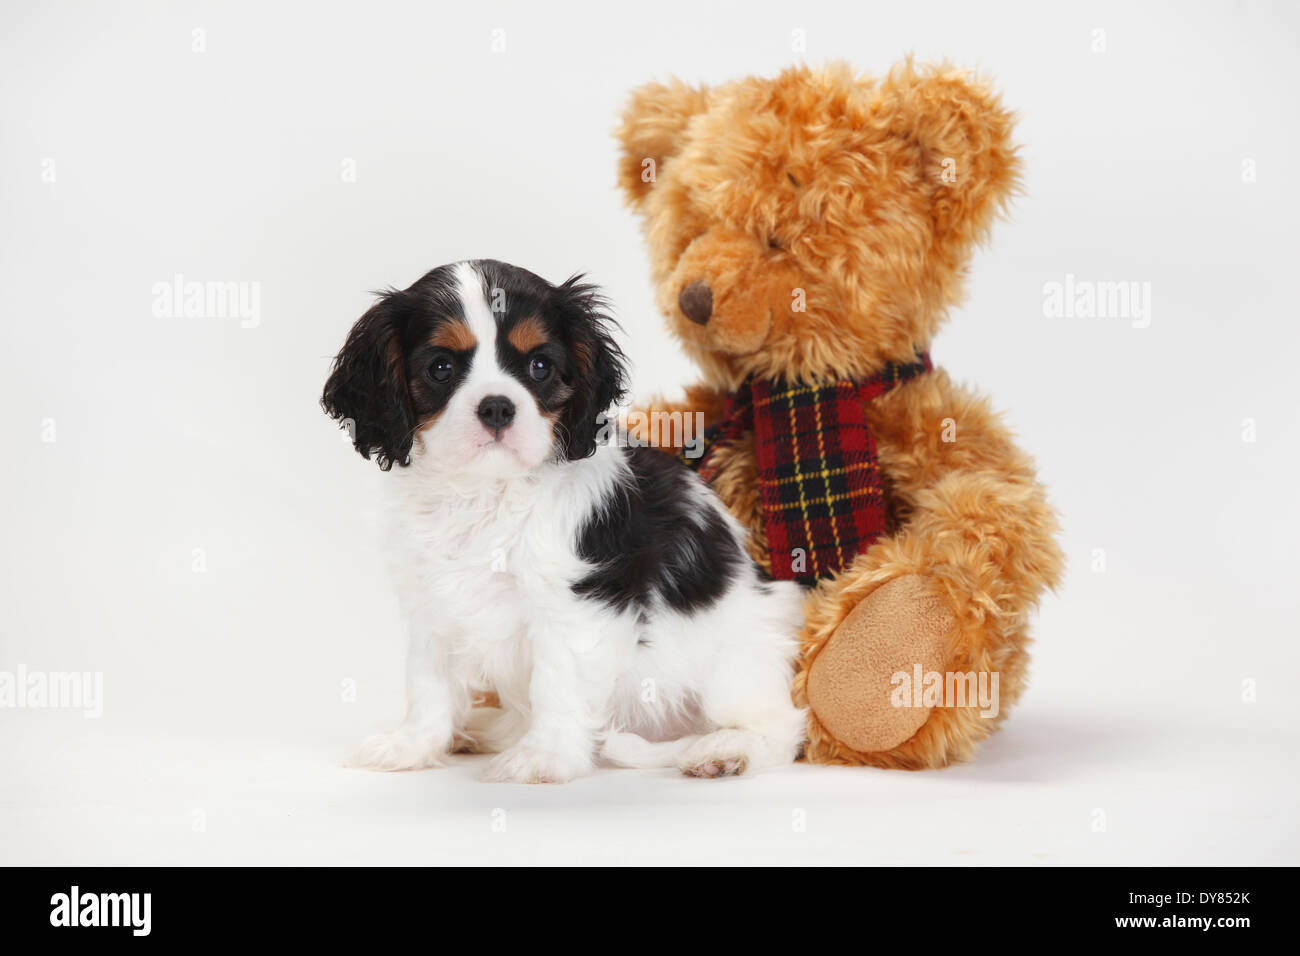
(598, 376)
(367, 390)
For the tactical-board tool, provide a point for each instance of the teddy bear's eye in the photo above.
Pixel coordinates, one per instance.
(773, 242)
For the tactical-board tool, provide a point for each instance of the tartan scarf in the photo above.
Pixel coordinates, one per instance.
(818, 480)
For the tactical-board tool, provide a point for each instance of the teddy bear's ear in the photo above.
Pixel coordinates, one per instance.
(964, 135)
(654, 123)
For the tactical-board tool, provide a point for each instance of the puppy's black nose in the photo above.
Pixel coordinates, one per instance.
(496, 412)
(696, 302)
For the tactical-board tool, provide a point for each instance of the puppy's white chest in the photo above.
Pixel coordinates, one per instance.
(478, 555)
(486, 536)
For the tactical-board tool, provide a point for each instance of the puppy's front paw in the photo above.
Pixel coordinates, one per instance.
(529, 765)
(398, 750)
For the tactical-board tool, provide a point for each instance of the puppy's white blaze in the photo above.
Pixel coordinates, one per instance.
(478, 313)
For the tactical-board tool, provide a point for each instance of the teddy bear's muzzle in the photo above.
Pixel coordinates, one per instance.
(725, 291)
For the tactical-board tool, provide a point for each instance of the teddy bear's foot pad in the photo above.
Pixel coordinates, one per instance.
(850, 686)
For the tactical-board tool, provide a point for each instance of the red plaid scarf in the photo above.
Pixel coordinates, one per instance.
(818, 481)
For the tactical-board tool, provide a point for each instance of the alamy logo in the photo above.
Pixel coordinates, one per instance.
(53, 690)
(954, 689)
(1086, 299)
(102, 909)
(684, 430)
(181, 299)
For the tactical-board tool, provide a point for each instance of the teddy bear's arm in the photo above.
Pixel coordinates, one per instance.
(967, 493)
(670, 425)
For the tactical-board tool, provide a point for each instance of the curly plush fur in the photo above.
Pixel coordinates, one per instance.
(832, 218)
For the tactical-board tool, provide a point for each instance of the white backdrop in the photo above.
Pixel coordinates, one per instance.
(180, 516)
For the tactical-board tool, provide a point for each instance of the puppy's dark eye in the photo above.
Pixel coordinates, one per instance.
(441, 369)
(773, 242)
(540, 368)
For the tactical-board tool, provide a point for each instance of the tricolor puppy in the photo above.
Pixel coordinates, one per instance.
(602, 592)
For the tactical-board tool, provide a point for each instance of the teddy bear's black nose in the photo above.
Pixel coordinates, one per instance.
(696, 302)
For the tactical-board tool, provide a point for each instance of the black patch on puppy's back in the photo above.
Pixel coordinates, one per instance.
(653, 542)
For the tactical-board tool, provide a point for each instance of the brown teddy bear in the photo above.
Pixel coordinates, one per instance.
(807, 236)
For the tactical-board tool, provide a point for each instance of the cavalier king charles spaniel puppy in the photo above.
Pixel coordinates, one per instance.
(600, 592)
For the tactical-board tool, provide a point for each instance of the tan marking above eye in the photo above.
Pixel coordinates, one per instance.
(454, 335)
(527, 334)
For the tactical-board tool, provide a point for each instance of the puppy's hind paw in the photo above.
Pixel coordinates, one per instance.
(723, 753)
(721, 767)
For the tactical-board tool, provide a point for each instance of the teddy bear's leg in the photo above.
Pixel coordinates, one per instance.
(948, 594)
(896, 629)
